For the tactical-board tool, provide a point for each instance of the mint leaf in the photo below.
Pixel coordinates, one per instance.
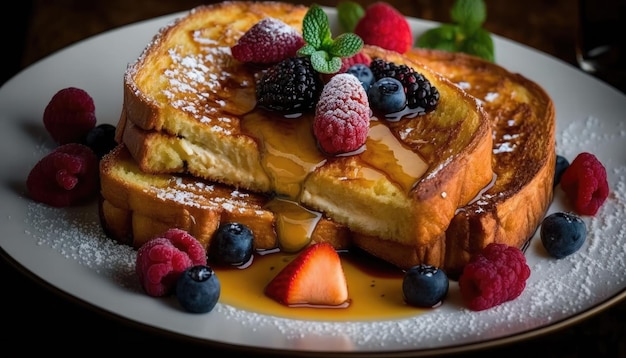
(306, 50)
(349, 13)
(326, 52)
(470, 14)
(465, 34)
(315, 27)
(346, 45)
(323, 63)
(442, 37)
(479, 44)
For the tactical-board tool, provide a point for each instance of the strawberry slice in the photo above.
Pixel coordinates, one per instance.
(314, 277)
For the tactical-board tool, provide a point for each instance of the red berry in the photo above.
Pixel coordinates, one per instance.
(585, 183)
(66, 176)
(384, 26)
(69, 115)
(496, 275)
(342, 115)
(161, 260)
(268, 41)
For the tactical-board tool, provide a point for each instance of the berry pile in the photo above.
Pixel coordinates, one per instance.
(497, 275)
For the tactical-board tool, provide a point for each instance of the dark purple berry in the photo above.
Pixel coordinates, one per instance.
(101, 139)
(198, 289)
(562, 234)
(232, 244)
(424, 286)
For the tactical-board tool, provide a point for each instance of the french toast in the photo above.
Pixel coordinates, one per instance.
(136, 206)
(523, 159)
(189, 108)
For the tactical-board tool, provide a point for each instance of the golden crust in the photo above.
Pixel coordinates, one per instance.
(523, 123)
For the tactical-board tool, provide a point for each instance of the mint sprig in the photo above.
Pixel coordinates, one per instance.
(464, 34)
(326, 52)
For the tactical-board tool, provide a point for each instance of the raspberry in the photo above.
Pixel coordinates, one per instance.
(384, 26)
(290, 86)
(161, 260)
(496, 275)
(268, 41)
(69, 115)
(342, 115)
(66, 176)
(420, 93)
(585, 183)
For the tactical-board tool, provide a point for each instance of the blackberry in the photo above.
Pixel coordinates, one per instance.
(290, 86)
(419, 91)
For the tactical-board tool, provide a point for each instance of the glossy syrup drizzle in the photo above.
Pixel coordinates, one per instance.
(290, 154)
(374, 289)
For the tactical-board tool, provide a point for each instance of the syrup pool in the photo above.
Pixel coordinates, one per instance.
(374, 289)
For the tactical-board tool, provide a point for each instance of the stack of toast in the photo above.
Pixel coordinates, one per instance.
(195, 152)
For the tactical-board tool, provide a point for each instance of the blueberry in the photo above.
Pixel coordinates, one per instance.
(387, 95)
(363, 73)
(561, 165)
(101, 139)
(424, 286)
(198, 289)
(232, 244)
(562, 233)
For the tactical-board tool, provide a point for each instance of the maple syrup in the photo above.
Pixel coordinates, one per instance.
(374, 289)
(290, 154)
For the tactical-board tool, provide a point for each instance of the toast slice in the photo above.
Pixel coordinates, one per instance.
(523, 158)
(189, 107)
(136, 206)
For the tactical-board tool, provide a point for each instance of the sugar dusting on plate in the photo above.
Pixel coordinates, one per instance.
(556, 290)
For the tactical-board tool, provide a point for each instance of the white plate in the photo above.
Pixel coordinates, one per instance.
(66, 248)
